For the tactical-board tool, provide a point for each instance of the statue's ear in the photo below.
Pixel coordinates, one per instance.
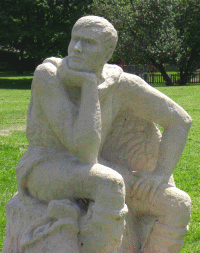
(108, 55)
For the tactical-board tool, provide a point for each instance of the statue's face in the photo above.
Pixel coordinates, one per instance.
(86, 52)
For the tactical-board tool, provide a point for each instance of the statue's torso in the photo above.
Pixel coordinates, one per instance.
(40, 132)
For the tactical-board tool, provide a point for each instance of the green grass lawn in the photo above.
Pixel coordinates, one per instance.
(187, 171)
(13, 143)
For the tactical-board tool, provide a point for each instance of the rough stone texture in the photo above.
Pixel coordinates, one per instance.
(97, 176)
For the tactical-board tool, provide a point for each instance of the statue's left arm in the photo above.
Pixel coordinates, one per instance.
(151, 105)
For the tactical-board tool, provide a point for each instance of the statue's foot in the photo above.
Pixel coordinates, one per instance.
(101, 230)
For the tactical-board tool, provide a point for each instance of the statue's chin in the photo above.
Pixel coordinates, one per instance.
(79, 65)
(76, 64)
(75, 67)
(67, 74)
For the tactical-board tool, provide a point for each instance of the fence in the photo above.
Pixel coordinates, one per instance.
(157, 79)
(195, 79)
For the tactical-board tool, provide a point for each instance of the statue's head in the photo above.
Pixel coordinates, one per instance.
(92, 44)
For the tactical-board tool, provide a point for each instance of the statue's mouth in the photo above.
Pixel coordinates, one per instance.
(74, 57)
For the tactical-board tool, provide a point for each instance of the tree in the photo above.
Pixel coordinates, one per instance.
(148, 31)
(187, 23)
(39, 28)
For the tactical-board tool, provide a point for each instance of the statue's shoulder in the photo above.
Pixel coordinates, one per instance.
(133, 80)
(111, 73)
(53, 60)
(46, 73)
(47, 67)
(114, 74)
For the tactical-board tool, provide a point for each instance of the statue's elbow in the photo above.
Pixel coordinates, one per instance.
(187, 122)
(182, 119)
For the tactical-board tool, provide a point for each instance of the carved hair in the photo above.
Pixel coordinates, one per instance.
(104, 28)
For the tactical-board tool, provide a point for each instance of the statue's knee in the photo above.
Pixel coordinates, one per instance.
(179, 207)
(116, 182)
(111, 190)
(184, 205)
(110, 178)
(183, 201)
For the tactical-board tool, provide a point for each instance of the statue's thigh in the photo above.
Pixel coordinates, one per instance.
(68, 178)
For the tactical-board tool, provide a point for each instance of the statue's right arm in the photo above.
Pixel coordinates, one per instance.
(151, 105)
(78, 130)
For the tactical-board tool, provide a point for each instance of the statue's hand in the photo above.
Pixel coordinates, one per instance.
(78, 78)
(147, 184)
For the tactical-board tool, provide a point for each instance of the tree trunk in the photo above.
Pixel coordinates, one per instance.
(183, 77)
(185, 72)
(163, 72)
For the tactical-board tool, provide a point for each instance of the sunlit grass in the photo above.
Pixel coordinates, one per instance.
(187, 171)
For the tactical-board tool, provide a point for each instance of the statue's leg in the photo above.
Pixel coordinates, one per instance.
(172, 207)
(101, 229)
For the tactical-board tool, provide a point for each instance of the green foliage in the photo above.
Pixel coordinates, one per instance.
(13, 83)
(39, 28)
(163, 32)
(145, 28)
(13, 74)
(187, 20)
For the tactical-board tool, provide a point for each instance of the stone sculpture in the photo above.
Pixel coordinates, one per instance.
(97, 176)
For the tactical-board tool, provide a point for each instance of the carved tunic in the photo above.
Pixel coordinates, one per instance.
(125, 139)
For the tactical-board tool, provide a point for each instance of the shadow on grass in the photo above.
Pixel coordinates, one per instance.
(15, 74)
(20, 84)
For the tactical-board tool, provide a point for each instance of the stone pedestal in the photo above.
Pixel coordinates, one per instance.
(21, 219)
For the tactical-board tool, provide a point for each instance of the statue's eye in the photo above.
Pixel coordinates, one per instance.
(74, 39)
(90, 41)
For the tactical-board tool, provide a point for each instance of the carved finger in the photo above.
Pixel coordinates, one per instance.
(141, 188)
(146, 191)
(136, 185)
(152, 192)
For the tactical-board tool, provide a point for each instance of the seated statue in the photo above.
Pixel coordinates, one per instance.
(97, 176)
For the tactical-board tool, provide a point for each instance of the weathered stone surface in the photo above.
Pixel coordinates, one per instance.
(97, 176)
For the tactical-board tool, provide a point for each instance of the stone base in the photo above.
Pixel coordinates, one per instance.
(56, 228)
(20, 217)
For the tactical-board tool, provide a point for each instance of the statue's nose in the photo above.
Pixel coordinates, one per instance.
(78, 46)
